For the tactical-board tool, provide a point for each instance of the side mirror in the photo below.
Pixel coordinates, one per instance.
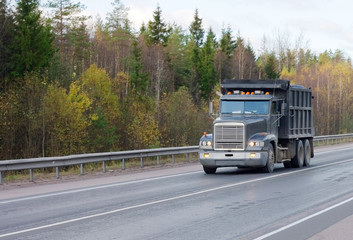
(210, 108)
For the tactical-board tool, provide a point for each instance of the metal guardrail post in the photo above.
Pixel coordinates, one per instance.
(57, 173)
(31, 175)
(141, 158)
(82, 169)
(187, 157)
(158, 160)
(104, 167)
(0, 178)
(173, 158)
(123, 164)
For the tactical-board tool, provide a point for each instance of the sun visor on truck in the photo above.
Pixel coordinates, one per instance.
(229, 85)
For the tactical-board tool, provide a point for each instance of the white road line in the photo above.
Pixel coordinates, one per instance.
(166, 200)
(97, 187)
(303, 219)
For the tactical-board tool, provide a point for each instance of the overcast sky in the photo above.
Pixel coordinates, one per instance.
(323, 24)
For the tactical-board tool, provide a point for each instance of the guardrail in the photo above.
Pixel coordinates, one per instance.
(81, 159)
(334, 139)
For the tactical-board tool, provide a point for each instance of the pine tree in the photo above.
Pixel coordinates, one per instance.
(118, 19)
(80, 48)
(206, 68)
(227, 44)
(32, 44)
(196, 42)
(196, 30)
(139, 80)
(65, 15)
(178, 58)
(271, 67)
(158, 31)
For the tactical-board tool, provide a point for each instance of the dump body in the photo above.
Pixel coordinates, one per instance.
(272, 114)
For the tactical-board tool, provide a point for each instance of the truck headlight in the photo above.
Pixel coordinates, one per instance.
(256, 144)
(206, 143)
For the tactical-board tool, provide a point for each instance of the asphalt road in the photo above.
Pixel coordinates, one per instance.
(185, 203)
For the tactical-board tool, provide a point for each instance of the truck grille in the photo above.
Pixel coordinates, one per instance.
(229, 136)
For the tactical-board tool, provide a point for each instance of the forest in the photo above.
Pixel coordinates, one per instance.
(68, 88)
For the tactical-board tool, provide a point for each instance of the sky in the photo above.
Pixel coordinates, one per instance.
(317, 25)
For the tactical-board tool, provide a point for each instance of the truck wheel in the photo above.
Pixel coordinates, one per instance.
(307, 153)
(298, 160)
(209, 170)
(270, 160)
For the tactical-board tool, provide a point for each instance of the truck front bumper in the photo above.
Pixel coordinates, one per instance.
(233, 159)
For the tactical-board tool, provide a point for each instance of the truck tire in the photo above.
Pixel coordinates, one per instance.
(307, 153)
(298, 160)
(209, 170)
(270, 160)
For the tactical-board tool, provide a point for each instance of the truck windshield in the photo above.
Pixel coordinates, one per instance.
(245, 107)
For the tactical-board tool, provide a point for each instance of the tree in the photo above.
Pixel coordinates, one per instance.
(196, 30)
(118, 18)
(119, 29)
(178, 57)
(224, 54)
(227, 44)
(196, 41)
(32, 44)
(181, 125)
(243, 61)
(206, 68)
(6, 37)
(271, 66)
(250, 64)
(80, 49)
(139, 79)
(65, 15)
(97, 85)
(66, 120)
(158, 31)
(141, 125)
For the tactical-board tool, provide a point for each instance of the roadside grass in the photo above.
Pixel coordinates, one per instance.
(114, 166)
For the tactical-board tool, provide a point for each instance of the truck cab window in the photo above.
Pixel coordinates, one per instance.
(244, 107)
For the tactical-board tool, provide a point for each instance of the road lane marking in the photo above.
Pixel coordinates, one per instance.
(169, 199)
(304, 219)
(96, 187)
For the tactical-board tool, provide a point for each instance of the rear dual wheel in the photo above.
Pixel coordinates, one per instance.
(298, 160)
(303, 154)
(307, 153)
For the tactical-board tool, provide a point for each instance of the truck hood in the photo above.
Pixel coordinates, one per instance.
(252, 124)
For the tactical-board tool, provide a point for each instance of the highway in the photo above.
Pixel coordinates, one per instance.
(185, 203)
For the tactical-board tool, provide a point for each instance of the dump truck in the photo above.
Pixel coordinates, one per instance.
(260, 123)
